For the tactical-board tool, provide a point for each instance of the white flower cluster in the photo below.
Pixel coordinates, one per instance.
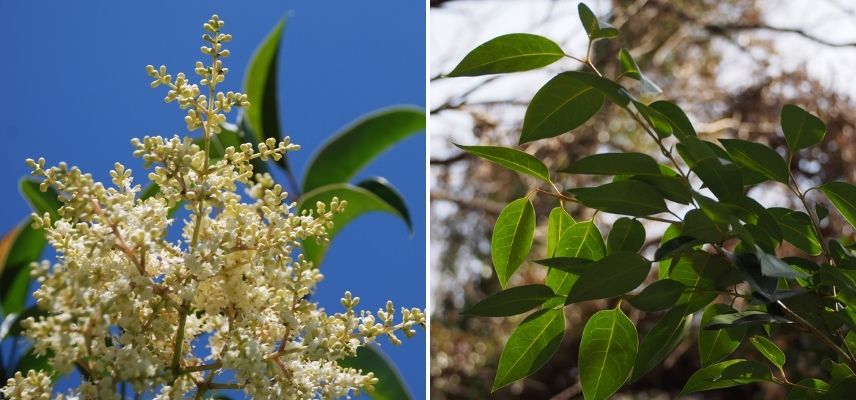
(125, 304)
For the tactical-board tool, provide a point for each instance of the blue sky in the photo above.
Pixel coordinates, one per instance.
(75, 90)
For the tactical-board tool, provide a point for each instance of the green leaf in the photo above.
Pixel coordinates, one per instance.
(607, 352)
(512, 159)
(658, 296)
(628, 197)
(797, 229)
(18, 248)
(390, 385)
(561, 105)
(698, 225)
(41, 202)
(774, 267)
(596, 29)
(702, 273)
(348, 151)
(660, 341)
(843, 196)
(32, 361)
(260, 85)
(388, 193)
(659, 122)
(801, 128)
(612, 90)
(727, 374)
(615, 164)
(671, 187)
(582, 240)
(675, 246)
(844, 389)
(570, 265)
(810, 389)
(758, 158)
(509, 53)
(558, 223)
(360, 201)
(631, 70)
(751, 317)
(681, 125)
(714, 345)
(530, 346)
(614, 275)
(626, 235)
(512, 301)
(724, 180)
(11, 325)
(512, 238)
(769, 350)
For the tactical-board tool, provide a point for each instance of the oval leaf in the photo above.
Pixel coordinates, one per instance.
(260, 86)
(596, 29)
(797, 229)
(727, 374)
(628, 197)
(530, 346)
(681, 125)
(558, 223)
(511, 301)
(582, 240)
(607, 353)
(561, 105)
(615, 164)
(769, 350)
(750, 317)
(614, 275)
(512, 238)
(758, 158)
(843, 196)
(801, 128)
(626, 235)
(509, 53)
(512, 159)
(388, 193)
(390, 386)
(660, 341)
(342, 156)
(658, 296)
(631, 70)
(714, 345)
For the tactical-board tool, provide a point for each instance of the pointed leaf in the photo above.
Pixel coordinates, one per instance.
(630, 69)
(843, 196)
(41, 202)
(809, 389)
(660, 341)
(769, 350)
(561, 105)
(582, 240)
(681, 125)
(658, 296)
(570, 265)
(511, 301)
(558, 223)
(727, 374)
(18, 248)
(801, 128)
(614, 275)
(512, 159)
(751, 317)
(758, 158)
(676, 246)
(607, 352)
(348, 151)
(797, 229)
(615, 164)
(530, 346)
(509, 53)
(626, 235)
(595, 28)
(714, 345)
(390, 385)
(512, 238)
(381, 187)
(260, 85)
(671, 187)
(628, 197)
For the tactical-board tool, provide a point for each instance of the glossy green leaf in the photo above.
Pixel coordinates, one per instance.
(631, 70)
(348, 151)
(509, 53)
(360, 201)
(383, 188)
(769, 350)
(530, 346)
(607, 353)
(727, 374)
(702, 273)
(32, 361)
(797, 229)
(750, 317)
(511, 301)
(582, 240)
(570, 265)
(808, 389)
(658, 296)
(558, 222)
(660, 341)
(844, 389)
(609, 88)
(512, 238)
(512, 159)
(390, 385)
(671, 187)
(758, 158)
(624, 197)
(611, 276)
(596, 29)
(843, 196)
(41, 202)
(714, 345)
(724, 180)
(772, 266)
(18, 248)
(801, 128)
(561, 105)
(260, 85)
(676, 246)
(681, 125)
(698, 225)
(626, 235)
(615, 164)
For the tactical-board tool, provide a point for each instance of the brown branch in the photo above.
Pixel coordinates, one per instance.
(725, 28)
(450, 160)
(489, 206)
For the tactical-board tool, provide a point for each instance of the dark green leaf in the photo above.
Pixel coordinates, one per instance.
(659, 122)
(809, 389)
(32, 361)
(774, 267)
(723, 180)
(360, 201)
(612, 90)
(801, 128)
(821, 211)
(558, 223)
(561, 105)
(671, 187)
(14, 327)
(681, 125)
(658, 296)
(614, 275)
(509, 53)
(843, 196)
(512, 159)
(703, 274)
(18, 248)
(512, 238)
(714, 345)
(660, 341)
(797, 229)
(769, 350)
(596, 29)
(757, 157)
(750, 317)
(388, 193)
(626, 235)
(727, 374)
(348, 151)
(260, 86)
(512, 301)
(628, 197)
(582, 240)
(530, 346)
(698, 225)
(607, 352)
(41, 202)
(631, 70)
(570, 265)
(843, 389)
(390, 385)
(615, 164)
(676, 246)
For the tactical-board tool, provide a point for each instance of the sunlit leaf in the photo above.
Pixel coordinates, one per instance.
(390, 385)
(628, 197)
(607, 353)
(611, 276)
(512, 238)
(727, 374)
(260, 86)
(558, 222)
(512, 159)
(383, 188)
(511, 301)
(509, 53)
(561, 105)
(801, 128)
(596, 29)
(615, 164)
(530, 346)
(769, 350)
(757, 157)
(714, 345)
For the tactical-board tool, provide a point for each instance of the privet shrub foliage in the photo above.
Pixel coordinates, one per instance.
(717, 259)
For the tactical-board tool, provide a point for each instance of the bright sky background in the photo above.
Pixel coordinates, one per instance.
(75, 90)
